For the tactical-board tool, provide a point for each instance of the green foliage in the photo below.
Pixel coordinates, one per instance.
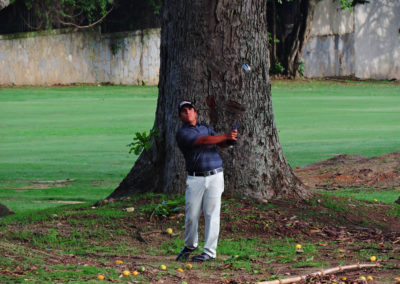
(349, 4)
(300, 69)
(142, 141)
(54, 13)
(169, 207)
(156, 4)
(270, 39)
(277, 69)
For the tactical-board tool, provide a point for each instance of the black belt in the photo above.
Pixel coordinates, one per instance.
(205, 174)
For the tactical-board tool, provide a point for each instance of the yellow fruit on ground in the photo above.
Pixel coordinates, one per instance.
(370, 278)
(372, 258)
(188, 266)
(344, 278)
(298, 246)
(398, 280)
(163, 267)
(169, 231)
(237, 256)
(134, 273)
(142, 268)
(179, 270)
(126, 273)
(375, 200)
(119, 262)
(100, 277)
(363, 278)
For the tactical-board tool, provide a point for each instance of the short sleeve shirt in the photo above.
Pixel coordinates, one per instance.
(198, 158)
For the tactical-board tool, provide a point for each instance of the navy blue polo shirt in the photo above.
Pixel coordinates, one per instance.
(200, 158)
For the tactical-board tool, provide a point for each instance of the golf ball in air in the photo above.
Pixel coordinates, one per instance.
(246, 67)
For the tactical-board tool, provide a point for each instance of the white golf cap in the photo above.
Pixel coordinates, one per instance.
(184, 103)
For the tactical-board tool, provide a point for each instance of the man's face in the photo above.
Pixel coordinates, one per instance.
(188, 115)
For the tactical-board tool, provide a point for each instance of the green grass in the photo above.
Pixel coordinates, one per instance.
(317, 120)
(82, 132)
(366, 194)
(78, 133)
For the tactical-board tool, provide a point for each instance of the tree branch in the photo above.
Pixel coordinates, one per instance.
(87, 26)
(320, 273)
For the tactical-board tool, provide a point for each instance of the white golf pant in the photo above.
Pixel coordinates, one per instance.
(203, 194)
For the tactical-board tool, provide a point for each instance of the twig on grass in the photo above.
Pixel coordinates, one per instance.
(320, 273)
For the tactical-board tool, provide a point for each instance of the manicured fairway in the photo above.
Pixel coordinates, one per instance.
(81, 133)
(78, 133)
(322, 119)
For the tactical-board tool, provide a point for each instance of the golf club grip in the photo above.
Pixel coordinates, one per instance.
(232, 142)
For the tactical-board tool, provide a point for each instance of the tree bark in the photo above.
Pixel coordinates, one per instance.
(204, 43)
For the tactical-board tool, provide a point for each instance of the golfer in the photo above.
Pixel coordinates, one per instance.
(205, 181)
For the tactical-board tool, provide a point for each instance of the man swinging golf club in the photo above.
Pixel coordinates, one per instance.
(205, 181)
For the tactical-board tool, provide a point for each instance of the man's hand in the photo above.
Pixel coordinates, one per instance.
(232, 135)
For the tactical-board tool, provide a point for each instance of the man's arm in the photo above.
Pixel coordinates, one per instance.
(219, 139)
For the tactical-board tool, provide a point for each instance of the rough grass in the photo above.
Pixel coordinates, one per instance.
(76, 243)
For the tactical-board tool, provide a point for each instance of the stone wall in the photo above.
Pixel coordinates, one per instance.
(62, 57)
(364, 44)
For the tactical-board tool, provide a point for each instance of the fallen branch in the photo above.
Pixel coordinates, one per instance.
(320, 273)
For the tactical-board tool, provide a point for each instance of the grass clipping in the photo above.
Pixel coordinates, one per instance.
(320, 273)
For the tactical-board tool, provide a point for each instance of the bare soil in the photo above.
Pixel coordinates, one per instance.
(353, 171)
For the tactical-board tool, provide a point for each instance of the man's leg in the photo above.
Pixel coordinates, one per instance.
(194, 194)
(212, 209)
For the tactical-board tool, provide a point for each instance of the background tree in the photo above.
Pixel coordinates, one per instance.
(289, 25)
(203, 46)
(110, 15)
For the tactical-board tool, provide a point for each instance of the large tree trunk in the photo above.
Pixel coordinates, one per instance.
(203, 46)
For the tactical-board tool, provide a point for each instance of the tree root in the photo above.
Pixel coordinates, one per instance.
(320, 273)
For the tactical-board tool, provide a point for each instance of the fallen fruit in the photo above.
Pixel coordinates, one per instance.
(169, 231)
(188, 266)
(179, 270)
(134, 273)
(100, 277)
(375, 200)
(184, 282)
(119, 262)
(363, 278)
(163, 267)
(398, 280)
(370, 278)
(298, 246)
(344, 278)
(372, 258)
(142, 268)
(236, 256)
(126, 273)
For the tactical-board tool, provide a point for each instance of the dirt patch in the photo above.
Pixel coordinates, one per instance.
(353, 171)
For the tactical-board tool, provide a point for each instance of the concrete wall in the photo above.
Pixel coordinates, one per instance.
(365, 43)
(57, 57)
